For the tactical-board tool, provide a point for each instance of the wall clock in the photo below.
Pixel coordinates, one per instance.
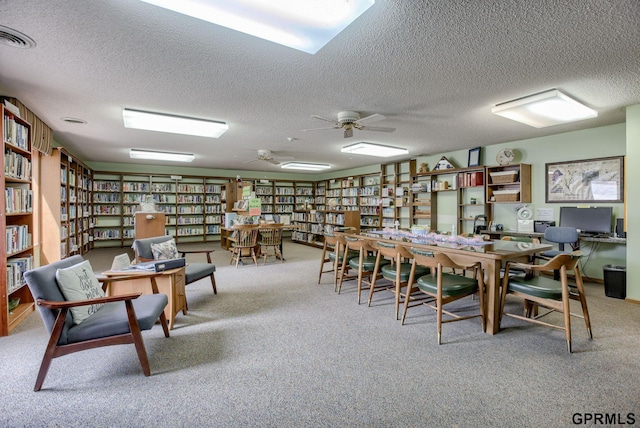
(525, 220)
(505, 156)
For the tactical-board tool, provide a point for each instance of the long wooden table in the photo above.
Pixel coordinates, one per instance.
(492, 256)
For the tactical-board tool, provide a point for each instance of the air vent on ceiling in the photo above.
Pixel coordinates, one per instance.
(15, 38)
(73, 120)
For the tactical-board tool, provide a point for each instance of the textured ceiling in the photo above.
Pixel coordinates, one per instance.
(433, 68)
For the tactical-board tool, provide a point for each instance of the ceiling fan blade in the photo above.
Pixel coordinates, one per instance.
(250, 161)
(325, 119)
(378, 128)
(370, 119)
(348, 132)
(273, 161)
(320, 129)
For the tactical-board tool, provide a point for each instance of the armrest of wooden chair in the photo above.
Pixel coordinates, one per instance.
(97, 301)
(183, 253)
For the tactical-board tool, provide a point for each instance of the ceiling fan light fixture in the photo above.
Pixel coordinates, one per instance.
(138, 119)
(165, 156)
(371, 149)
(305, 166)
(303, 25)
(544, 109)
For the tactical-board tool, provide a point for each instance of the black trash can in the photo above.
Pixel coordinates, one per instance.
(615, 281)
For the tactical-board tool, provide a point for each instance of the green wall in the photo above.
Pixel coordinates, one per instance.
(633, 203)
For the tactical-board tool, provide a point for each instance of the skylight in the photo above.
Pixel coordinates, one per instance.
(304, 25)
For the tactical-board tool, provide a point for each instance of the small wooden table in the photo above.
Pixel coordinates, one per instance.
(171, 283)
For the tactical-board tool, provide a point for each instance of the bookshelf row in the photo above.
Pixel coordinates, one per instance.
(17, 219)
(101, 206)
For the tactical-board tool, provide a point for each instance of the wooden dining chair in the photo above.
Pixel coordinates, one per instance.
(271, 241)
(364, 263)
(397, 272)
(328, 248)
(332, 252)
(541, 290)
(444, 288)
(246, 243)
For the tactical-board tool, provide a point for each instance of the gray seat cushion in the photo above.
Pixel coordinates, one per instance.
(196, 271)
(112, 318)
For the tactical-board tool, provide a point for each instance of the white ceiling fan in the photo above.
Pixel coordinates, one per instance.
(350, 120)
(268, 156)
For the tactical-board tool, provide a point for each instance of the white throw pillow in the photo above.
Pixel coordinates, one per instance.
(78, 282)
(165, 250)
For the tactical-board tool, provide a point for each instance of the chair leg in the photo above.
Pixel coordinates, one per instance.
(49, 353)
(342, 270)
(439, 319)
(566, 309)
(323, 260)
(213, 284)
(583, 301)
(137, 338)
(407, 298)
(163, 323)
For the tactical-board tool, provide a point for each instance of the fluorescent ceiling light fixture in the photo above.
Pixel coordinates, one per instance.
(306, 25)
(161, 122)
(305, 166)
(166, 156)
(544, 109)
(371, 149)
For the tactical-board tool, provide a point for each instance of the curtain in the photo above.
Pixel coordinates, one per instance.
(41, 134)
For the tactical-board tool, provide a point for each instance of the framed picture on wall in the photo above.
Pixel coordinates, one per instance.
(474, 157)
(589, 180)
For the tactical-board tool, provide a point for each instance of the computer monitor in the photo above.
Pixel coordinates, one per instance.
(592, 220)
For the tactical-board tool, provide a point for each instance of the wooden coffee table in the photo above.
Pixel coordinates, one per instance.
(171, 283)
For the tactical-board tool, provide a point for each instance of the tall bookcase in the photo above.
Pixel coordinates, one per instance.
(212, 208)
(423, 206)
(471, 199)
(107, 210)
(192, 205)
(68, 230)
(395, 185)
(369, 201)
(17, 221)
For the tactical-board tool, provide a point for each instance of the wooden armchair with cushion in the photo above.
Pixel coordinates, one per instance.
(164, 247)
(444, 287)
(79, 316)
(548, 293)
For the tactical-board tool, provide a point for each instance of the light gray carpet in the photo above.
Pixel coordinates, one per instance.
(273, 349)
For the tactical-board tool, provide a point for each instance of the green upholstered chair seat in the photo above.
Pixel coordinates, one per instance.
(452, 285)
(538, 286)
(351, 254)
(389, 271)
(368, 263)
